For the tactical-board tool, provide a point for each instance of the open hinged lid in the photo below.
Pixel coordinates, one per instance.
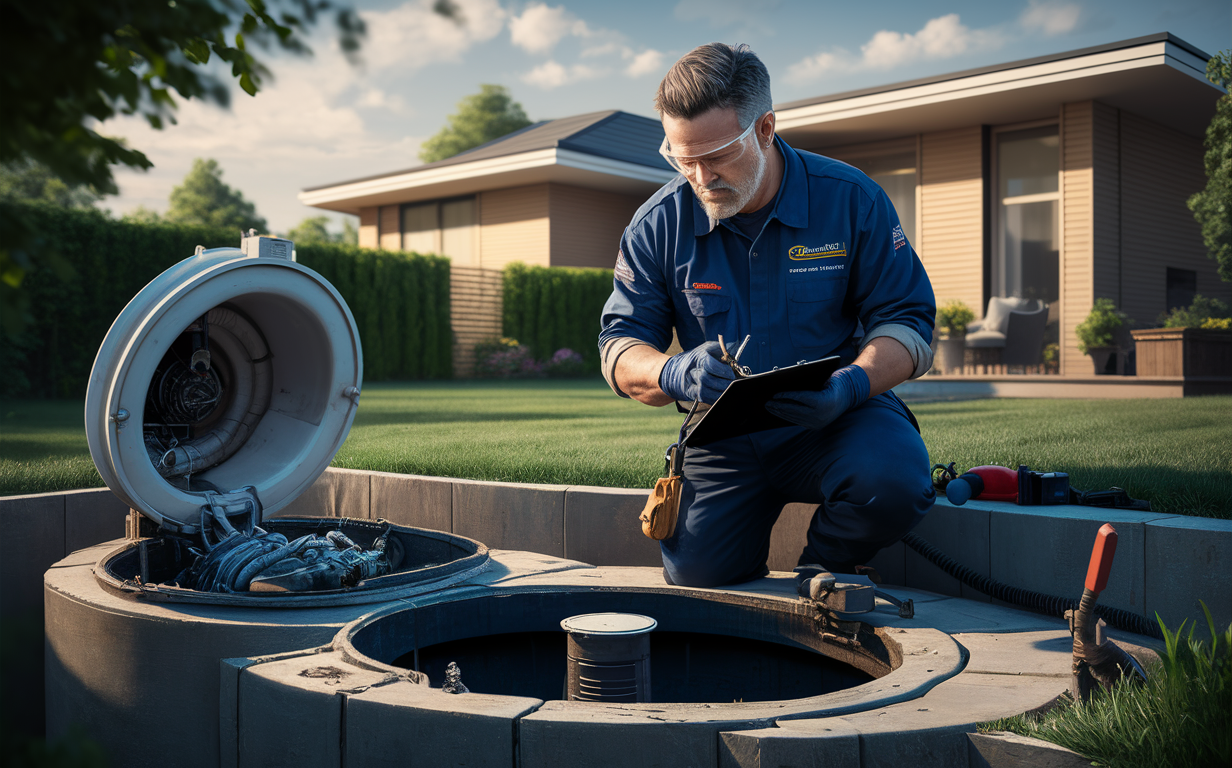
(227, 371)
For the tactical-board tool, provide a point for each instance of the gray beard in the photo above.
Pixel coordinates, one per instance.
(744, 192)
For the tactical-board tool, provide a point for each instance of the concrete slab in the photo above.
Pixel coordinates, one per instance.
(33, 539)
(1000, 749)
(91, 517)
(422, 502)
(576, 735)
(962, 533)
(291, 710)
(511, 515)
(1189, 559)
(113, 659)
(1047, 653)
(931, 732)
(406, 724)
(1060, 541)
(954, 614)
(229, 710)
(602, 527)
(832, 746)
(336, 493)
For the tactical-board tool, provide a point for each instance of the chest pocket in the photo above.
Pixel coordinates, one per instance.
(814, 312)
(712, 311)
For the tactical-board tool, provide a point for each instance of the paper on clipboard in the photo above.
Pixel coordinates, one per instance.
(741, 409)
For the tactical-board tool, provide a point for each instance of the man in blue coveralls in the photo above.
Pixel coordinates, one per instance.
(801, 252)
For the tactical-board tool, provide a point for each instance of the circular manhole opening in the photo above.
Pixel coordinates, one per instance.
(707, 647)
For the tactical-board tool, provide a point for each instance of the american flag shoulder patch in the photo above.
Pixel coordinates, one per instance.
(624, 273)
(899, 238)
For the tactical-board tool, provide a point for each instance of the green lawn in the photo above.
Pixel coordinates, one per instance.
(1177, 453)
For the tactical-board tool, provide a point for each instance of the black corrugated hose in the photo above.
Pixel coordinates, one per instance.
(1037, 601)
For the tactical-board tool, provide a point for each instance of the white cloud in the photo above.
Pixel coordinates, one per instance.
(552, 74)
(412, 35)
(644, 63)
(750, 15)
(541, 27)
(1050, 17)
(940, 38)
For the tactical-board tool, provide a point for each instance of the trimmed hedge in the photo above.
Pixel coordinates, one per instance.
(400, 300)
(547, 308)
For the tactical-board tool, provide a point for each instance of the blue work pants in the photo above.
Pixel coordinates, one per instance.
(868, 470)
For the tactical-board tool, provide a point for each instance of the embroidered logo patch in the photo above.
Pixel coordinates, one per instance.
(624, 273)
(899, 238)
(706, 287)
(827, 251)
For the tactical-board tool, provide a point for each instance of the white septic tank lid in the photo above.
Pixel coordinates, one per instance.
(235, 368)
(608, 624)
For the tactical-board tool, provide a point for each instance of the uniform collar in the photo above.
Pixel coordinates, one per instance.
(790, 204)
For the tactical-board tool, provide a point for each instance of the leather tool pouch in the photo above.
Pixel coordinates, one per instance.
(659, 515)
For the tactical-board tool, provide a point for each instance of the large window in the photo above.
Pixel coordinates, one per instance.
(896, 175)
(448, 227)
(1026, 262)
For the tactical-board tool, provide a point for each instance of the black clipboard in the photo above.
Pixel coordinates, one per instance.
(741, 409)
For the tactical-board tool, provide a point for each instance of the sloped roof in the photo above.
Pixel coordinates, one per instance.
(610, 134)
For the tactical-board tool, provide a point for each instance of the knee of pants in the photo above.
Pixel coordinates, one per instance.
(896, 502)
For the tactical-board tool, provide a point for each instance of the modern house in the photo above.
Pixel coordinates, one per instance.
(1061, 178)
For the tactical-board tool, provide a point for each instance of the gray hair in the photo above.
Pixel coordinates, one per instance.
(716, 75)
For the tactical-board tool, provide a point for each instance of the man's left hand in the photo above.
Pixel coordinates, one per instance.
(847, 388)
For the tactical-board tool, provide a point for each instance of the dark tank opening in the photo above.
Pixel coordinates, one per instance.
(688, 667)
(708, 647)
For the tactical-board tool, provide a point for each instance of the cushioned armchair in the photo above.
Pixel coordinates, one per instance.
(1010, 333)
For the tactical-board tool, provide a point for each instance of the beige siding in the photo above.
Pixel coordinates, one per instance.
(1161, 169)
(368, 235)
(475, 313)
(390, 228)
(1105, 203)
(513, 226)
(1077, 230)
(587, 225)
(951, 242)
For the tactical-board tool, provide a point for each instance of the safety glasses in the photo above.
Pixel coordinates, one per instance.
(714, 159)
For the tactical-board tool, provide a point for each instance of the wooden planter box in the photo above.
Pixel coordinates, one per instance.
(1183, 352)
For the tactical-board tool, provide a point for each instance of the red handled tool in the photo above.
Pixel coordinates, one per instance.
(1098, 660)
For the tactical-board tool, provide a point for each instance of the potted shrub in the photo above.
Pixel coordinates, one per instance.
(1192, 341)
(952, 319)
(1096, 334)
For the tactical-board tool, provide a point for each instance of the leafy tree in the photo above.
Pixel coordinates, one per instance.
(480, 118)
(204, 200)
(65, 66)
(1212, 207)
(312, 230)
(350, 232)
(30, 181)
(143, 215)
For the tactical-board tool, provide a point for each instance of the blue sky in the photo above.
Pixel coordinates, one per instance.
(323, 120)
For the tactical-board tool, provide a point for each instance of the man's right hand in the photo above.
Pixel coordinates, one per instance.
(698, 374)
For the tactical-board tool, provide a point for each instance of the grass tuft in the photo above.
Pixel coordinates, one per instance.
(1182, 717)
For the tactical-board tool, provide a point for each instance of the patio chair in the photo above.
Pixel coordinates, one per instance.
(1011, 333)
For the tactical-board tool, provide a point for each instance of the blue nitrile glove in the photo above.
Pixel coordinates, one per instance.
(698, 374)
(847, 388)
